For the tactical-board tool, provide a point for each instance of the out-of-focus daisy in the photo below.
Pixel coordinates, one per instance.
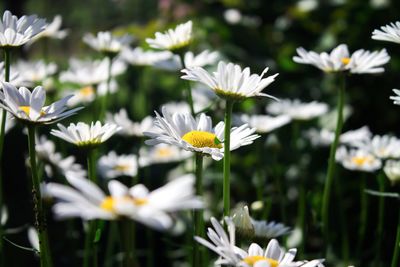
(191, 60)
(358, 159)
(262, 123)
(396, 98)
(161, 153)
(153, 209)
(383, 147)
(33, 238)
(230, 81)
(390, 33)
(197, 134)
(91, 72)
(255, 256)
(53, 30)
(298, 110)
(29, 106)
(355, 136)
(139, 57)
(16, 31)
(172, 39)
(85, 135)
(324, 137)
(128, 127)
(112, 165)
(15, 78)
(3, 215)
(107, 43)
(392, 171)
(363, 61)
(35, 72)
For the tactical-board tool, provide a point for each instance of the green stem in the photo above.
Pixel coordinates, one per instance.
(396, 251)
(301, 215)
(127, 234)
(45, 260)
(331, 163)
(227, 157)
(343, 222)
(111, 241)
(381, 217)
(198, 215)
(363, 216)
(189, 88)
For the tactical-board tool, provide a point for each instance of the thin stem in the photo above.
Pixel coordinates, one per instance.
(111, 241)
(198, 215)
(40, 223)
(227, 157)
(127, 238)
(331, 163)
(381, 216)
(396, 251)
(189, 88)
(363, 216)
(301, 215)
(342, 221)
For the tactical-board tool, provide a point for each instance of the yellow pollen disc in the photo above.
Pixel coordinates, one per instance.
(121, 168)
(201, 139)
(251, 260)
(86, 91)
(361, 160)
(140, 201)
(27, 110)
(164, 152)
(345, 60)
(108, 204)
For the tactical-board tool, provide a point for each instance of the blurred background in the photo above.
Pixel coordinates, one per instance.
(252, 33)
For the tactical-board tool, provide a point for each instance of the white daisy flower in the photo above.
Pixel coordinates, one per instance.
(390, 33)
(298, 110)
(17, 32)
(35, 72)
(52, 30)
(358, 159)
(161, 153)
(91, 72)
(191, 60)
(105, 42)
(82, 134)
(139, 57)
(153, 209)
(128, 127)
(392, 170)
(230, 81)
(15, 78)
(112, 165)
(255, 256)
(383, 147)
(33, 238)
(363, 61)
(355, 136)
(197, 135)
(29, 107)
(396, 98)
(325, 137)
(262, 123)
(172, 39)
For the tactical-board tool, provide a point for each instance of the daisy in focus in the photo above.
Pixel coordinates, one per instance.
(390, 33)
(154, 209)
(112, 165)
(358, 159)
(230, 81)
(106, 43)
(298, 110)
(197, 134)
(85, 135)
(173, 39)
(29, 107)
(16, 31)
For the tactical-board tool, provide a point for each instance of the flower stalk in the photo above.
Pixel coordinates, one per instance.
(226, 195)
(198, 215)
(396, 252)
(127, 232)
(381, 216)
(45, 260)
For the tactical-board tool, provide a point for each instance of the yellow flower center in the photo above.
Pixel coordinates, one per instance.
(109, 202)
(202, 139)
(164, 152)
(361, 160)
(86, 91)
(121, 167)
(27, 110)
(345, 60)
(251, 260)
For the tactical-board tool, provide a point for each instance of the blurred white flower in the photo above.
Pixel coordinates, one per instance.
(191, 60)
(172, 39)
(29, 107)
(140, 57)
(325, 137)
(396, 98)
(33, 238)
(297, 110)
(83, 135)
(358, 159)
(112, 165)
(197, 134)
(128, 127)
(382, 146)
(161, 153)
(307, 5)
(262, 123)
(16, 31)
(105, 42)
(362, 61)
(232, 16)
(3, 215)
(392, 171)
(15, 78)
(390, 33)
(230, 81)
(52, 30)
(355, 136)
(153, 209)
(34, 72)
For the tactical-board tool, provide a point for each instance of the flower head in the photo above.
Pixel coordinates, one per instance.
(396, 98)
(16, 31)
(85, 135)
(197, 134)
(390, 33)
(36, 71)
(298, 110)
(363, 61)
(392, 170)
(230, 81)
(139, 57)
(161, 153)
(191, 60)
(358, 159)
(112, 165)
(106, 43)
(173, 39)
(382, 146)
(128, 127)
(52, 30)
(262, 123)
(29, 106)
